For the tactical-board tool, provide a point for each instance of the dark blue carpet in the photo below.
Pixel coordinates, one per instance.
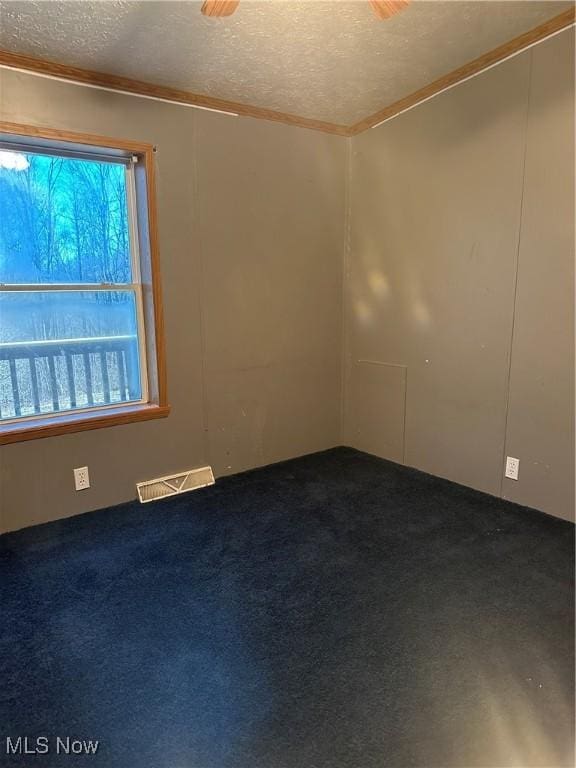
(334, 611)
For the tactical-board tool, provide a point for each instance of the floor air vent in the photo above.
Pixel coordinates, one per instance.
(173, 484)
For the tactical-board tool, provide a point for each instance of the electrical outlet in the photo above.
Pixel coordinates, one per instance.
(81, 478)
(512, 467)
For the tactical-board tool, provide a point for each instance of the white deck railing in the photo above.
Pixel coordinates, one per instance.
(55, 375)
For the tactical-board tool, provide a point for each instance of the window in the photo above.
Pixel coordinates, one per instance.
(80, 311)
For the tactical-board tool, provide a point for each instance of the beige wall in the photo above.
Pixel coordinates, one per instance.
(251, 236)
(540, 425)
(458, 291)
(459, 342)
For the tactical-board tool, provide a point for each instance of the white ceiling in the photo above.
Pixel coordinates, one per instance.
(331, 61)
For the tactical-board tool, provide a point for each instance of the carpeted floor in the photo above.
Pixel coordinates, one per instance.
(334, 611)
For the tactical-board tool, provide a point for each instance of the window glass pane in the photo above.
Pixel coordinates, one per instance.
(61, 350)
(62, 220)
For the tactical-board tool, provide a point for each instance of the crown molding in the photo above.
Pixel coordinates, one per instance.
(475, 67)
(118, 84)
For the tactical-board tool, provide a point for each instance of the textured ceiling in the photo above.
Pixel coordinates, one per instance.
(330, 61)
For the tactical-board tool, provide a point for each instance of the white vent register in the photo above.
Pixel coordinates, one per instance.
(175, 484)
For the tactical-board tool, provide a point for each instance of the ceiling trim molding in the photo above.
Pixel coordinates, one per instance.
(118, 84)
(475, 67)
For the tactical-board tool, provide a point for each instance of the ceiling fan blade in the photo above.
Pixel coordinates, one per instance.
(219, 7)
(384, 9)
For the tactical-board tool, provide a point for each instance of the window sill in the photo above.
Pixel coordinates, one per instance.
(63, 424)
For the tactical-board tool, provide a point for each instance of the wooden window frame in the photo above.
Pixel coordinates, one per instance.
(157, 406)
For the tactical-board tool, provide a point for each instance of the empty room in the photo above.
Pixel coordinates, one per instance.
(287, 357)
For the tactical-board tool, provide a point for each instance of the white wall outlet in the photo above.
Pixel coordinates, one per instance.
(512, 467)
(81, 478)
